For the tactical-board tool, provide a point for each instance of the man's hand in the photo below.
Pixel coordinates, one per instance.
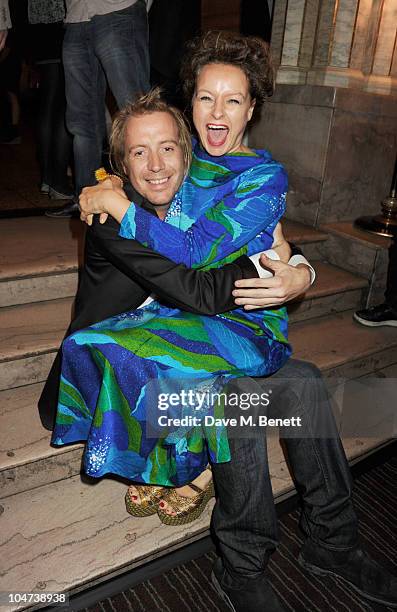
(99, 199)
(3, 38)
(287, 283)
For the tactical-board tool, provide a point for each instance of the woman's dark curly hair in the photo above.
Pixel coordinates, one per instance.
(249, 53)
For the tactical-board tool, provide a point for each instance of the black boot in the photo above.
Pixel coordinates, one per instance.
(254, 596)
(355, 568)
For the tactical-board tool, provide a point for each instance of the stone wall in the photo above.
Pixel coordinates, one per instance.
(338, 146)
(333, 118)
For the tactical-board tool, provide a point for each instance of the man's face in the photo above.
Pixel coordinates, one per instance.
(153, 156)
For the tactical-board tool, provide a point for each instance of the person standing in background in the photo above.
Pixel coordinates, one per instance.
(105, 41)
(54, 142)
(171, 24)
(12, 49)
(385, 313)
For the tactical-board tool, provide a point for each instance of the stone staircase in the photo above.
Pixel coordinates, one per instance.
(61, 533)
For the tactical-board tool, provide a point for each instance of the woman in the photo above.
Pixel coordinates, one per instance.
(229, 204)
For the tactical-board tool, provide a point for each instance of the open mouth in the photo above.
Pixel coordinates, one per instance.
(217, 134)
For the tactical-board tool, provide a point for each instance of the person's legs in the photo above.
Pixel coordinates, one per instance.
(386, 313)
(315, 455)
(244, 519)
(85, 99)
(121, 45)
(54, 143)
(391, 287)
(245, 502)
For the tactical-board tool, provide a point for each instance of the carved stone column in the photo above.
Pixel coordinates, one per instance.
(341, 43)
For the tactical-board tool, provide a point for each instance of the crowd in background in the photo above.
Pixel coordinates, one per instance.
(70, 65)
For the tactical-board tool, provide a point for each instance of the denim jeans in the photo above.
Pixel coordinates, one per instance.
(244, 518)
(110, 48)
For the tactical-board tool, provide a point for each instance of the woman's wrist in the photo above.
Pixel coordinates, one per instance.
(101, 175)
(117, 206)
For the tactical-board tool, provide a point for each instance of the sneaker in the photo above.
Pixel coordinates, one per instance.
(71, 209)
(354, 568)
(44, 188)
(377, 316)
(256, 594)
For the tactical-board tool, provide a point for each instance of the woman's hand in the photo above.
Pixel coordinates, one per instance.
(280, 245)
(105, 198)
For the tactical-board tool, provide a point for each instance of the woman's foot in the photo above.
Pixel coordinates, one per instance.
(143, 500)
(185, 504)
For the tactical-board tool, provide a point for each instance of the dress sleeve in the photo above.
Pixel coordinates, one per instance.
(255, 206)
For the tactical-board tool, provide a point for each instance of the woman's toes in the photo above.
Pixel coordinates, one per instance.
(132, 492)
(166, 508)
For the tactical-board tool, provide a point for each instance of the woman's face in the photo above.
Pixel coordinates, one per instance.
(222, 107)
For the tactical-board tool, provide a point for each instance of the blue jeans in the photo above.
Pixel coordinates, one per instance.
(244, 518)
(112, 48)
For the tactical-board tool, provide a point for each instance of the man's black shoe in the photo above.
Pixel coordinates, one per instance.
(355, 568)
(71, 209)
(256, 595)
(377, 316)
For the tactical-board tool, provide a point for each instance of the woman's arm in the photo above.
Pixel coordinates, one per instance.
(255, 206)
(280, 245)
(105, 198)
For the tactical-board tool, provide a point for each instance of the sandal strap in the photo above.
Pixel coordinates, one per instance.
(194, 487)
(183, 505)
(180, 503)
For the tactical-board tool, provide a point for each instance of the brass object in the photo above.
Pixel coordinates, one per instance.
(384, 224)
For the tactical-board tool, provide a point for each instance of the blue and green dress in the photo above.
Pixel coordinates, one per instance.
(114, 372)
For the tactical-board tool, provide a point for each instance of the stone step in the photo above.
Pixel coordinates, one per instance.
(340, 347)
(67, 536)
(35, 246)
(30, 333)
(359, 252)
(307, 238)
(48, 269)
(334, 290)
(26, 458)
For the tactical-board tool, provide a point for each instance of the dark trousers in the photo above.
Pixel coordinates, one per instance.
(244, 518)
(54, 143)
(391, 287)
(110, 48)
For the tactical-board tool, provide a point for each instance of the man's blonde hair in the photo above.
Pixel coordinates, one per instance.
(145, 105)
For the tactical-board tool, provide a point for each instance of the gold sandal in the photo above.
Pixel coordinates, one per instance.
(147, 502)
(187, 509)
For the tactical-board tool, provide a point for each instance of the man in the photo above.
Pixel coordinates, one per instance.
(106, 42)
(386, 313)
(244, 518)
